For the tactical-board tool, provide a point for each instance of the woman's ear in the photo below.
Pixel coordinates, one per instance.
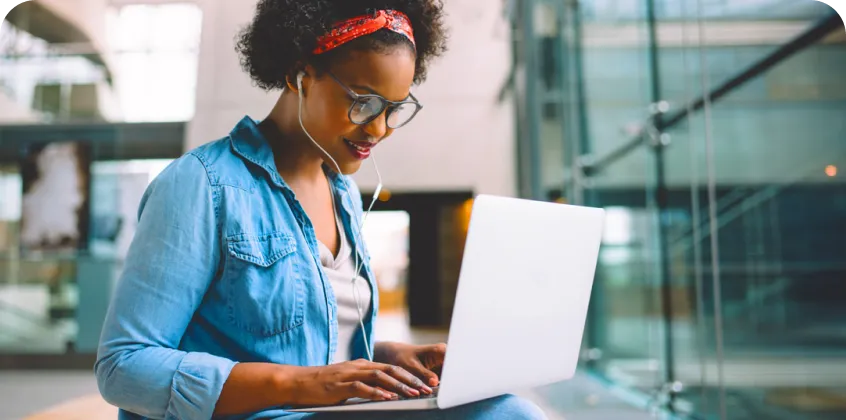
(295, 82)
(291, 82)
(300, 77)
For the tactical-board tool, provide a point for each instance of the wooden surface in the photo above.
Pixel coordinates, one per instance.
(91, 407)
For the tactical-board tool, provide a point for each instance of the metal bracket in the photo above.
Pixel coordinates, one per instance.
(663, 398)
(585, 163)
(657, 139)
(591, 355)
(659, 108)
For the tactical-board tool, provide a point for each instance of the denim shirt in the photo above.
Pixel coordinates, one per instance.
(224, 268)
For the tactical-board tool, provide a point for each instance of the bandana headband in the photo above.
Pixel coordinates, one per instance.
(360, 26)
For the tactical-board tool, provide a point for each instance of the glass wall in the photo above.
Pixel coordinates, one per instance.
(713, 133)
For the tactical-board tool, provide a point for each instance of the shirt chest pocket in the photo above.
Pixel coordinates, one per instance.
(263, 284)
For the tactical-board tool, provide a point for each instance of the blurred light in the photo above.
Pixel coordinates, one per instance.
(385, 195)
(155, 50)
(831, 170)
(561, 200)
(619, 226)
(464, 213)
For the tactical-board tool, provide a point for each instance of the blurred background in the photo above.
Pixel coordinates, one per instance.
(712, 131)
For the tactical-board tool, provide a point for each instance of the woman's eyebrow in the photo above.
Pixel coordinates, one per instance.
(367, 89)
(371, 90)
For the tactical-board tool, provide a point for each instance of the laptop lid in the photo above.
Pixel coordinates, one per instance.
(522, 298)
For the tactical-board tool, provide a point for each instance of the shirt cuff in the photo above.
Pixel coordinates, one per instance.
(197, 385)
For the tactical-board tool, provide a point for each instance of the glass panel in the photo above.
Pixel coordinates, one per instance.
(627, 303)
(759, 333)
(626, 330)
(624, 10)
(734, 35)
(752, 194)
(617, 87)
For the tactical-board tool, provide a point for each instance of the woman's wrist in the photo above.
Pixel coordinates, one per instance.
(381, 351)
(287, 382)
(252, 387)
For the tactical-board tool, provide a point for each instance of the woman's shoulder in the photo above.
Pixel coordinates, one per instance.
(206, 162)
(195, 168)
(213, 153)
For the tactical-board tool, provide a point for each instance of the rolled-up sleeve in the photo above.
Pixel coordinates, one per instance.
(170, 265)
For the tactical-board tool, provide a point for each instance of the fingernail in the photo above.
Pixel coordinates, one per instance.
(427, 390)
(387, 396)
(414, 392)
(433, 381)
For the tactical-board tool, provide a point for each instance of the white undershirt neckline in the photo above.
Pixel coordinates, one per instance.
(339, 270)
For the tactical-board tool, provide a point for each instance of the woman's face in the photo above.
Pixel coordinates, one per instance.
(326, 104)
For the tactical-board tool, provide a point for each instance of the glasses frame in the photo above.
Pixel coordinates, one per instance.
(387, 106)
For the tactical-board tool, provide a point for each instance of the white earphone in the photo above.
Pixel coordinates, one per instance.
(358, 263)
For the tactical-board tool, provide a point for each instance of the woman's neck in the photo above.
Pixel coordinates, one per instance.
(297, 160)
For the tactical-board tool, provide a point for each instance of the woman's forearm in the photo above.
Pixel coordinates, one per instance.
(254, 387)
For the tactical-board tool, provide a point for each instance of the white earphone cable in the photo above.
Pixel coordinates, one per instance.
(358, 263)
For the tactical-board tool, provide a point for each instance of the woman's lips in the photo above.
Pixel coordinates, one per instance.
(360, 149)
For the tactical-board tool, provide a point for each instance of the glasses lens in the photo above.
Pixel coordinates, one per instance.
(365, 108)
(401, 115)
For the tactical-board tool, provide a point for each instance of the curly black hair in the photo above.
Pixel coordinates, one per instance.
(280, 40)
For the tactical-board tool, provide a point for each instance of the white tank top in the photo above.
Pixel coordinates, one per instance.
(340, 272)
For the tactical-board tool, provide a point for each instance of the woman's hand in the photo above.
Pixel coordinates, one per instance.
(419, 360)
(334, 384)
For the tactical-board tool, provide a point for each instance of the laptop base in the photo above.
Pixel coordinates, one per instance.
(357, 404)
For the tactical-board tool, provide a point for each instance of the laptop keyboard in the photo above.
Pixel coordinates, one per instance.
(422, 396)
(357, 401)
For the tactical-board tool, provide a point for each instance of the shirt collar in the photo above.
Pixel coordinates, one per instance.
(248, 142)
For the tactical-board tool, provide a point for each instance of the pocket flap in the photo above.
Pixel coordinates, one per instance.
(262, 250)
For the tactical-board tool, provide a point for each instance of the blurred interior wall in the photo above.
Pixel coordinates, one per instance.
(86, 15)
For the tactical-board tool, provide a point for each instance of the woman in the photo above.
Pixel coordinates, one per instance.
(247, 289)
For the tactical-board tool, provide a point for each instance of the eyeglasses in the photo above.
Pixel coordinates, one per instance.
(367, 107)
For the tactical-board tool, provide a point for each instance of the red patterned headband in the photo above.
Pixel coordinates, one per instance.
(356, 27)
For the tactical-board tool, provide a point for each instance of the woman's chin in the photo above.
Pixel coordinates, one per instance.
(351, 167)
(347, 167)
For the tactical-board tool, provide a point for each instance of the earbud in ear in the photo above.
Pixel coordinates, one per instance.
(300, 76)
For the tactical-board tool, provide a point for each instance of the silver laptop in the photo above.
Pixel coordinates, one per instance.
(522, 300)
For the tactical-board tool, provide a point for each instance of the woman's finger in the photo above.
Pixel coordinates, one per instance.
(393, 395)
(438, 349)
(358, 389)
(401, 375)
(378, 378)
(433, 356)
(417, 368)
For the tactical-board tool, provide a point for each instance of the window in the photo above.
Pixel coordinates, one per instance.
(155, 50)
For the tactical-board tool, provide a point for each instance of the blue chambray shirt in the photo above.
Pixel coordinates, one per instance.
(224, 268)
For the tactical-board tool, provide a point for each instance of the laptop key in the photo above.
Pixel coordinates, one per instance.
(422, 396)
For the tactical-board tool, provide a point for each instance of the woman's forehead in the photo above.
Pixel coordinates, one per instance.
(388, 73)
